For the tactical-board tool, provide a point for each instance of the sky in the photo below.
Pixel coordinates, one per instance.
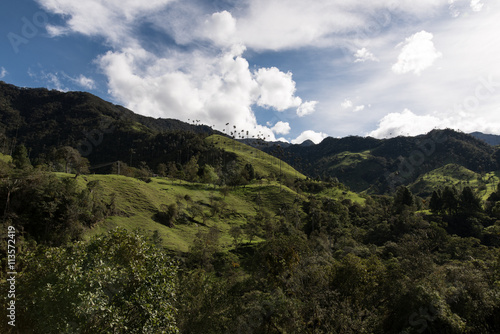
(286, 70)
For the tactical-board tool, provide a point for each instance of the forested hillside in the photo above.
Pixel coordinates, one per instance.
(46, 120)
(379, 166)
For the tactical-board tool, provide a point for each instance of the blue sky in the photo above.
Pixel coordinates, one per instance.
(287, 69)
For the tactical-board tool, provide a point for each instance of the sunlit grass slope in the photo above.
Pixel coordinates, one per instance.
(263, 163)
(137, 202)
(457, 176)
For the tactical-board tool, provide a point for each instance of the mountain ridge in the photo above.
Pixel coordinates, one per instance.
(104, 132)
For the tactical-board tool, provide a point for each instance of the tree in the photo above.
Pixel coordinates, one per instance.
(436, 202)
(249, 172)
(191, 169)
(116, 283)
(233, 174)
(161, 169)
(72, 159)
(20, 157)
(209, 175)
(50, 209)
(144, 170)
(237, 234)
(403, 199)
(167, 214)
(205, 246)
(469, 202)
(450, 200)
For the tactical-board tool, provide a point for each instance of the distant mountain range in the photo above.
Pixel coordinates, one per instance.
(378, 165)
(44, 120)
(493, 140)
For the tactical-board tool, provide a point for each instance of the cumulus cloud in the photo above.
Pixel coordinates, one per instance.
(85, 82)
(314, 136)
(346, 104)
(363, 55)
(282, 128)
(201, 72)
(282, 139)
(476, 5)
(359, 108)
(3, 72)
(418, 53)
(220, 28)
(277, 89)
(216, 90)
(214, 85)
(306, 108)
(405, 123)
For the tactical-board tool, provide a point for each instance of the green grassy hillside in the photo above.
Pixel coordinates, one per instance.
(263, 163)
(200, 206)
(137, 202)
(458, 176)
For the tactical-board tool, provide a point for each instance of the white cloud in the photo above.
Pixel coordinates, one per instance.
(51, 80)
(213, 83)
(279, 25)
(85, 82)
(476, 5)
(216, 90)
(359, 108)
(363, 55)
(220, 28)
(282, 128)
(282, 139)
(112, 19)
(346, 104)
(418, 53)
(60, 80)
(3, 72)
(210, 79)
(405, 123)
(277, 89)
(314, 136)
(463, 7)
(306, 108)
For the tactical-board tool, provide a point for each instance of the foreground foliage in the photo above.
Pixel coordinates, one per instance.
(117, 282)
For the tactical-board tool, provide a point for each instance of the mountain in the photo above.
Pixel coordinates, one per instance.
(380, 165)
(44, 120)
(493, 140)
(103, 132)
